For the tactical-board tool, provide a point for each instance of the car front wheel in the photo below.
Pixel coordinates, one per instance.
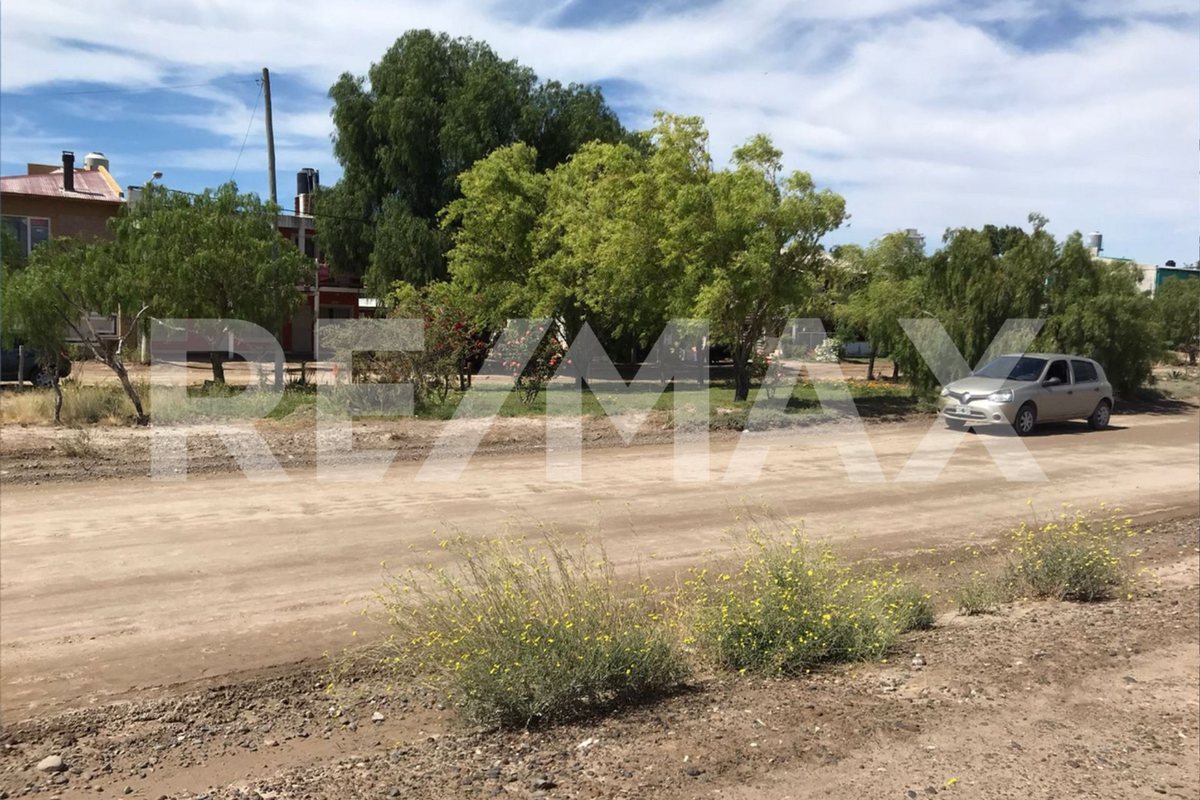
(1026, 420)
(1100, 417)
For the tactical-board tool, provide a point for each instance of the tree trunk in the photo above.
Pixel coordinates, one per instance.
(58, 397)
(895, 370)
(1192, 357)
(871, 364)
(141, 417)
(218, 367)
(741, 372)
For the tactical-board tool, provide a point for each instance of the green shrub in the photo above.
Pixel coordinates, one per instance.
(1072, 558)
(792, 606)
(979, 594)
(909, 607)
(516, 637)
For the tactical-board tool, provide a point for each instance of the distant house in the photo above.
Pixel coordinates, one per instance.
(1169, 270)
(1152, 275)
(326, 296)
(53, 200)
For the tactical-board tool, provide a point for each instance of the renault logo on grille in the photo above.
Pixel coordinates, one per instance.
(966, 397)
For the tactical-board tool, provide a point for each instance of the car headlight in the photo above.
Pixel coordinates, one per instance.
(945, 392)
(1002, 396)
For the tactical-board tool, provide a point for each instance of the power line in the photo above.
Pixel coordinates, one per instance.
(249, 125)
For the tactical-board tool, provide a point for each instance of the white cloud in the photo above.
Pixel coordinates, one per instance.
(914, 109)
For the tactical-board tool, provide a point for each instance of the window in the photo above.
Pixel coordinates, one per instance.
(1013, 368)
(39, 231)
(28, 231)
(1085, 371)
(1059, 370)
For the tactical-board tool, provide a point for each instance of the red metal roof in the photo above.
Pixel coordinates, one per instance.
(90, 184)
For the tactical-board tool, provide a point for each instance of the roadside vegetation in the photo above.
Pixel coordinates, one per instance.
(516, 633)
(90, 404)
(82, 404)
(521, 635)
(792, 606)
(1076, 557)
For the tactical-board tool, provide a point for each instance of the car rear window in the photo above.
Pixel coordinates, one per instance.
(1085, 371)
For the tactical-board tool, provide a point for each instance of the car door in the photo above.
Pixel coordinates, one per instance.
(1088, 391)
(1056, 402)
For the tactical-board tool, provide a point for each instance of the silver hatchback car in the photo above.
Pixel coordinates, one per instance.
(1024, 389)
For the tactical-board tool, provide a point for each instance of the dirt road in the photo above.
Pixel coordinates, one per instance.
(113, 586)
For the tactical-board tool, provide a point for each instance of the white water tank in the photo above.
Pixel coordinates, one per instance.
(1094, 242)
(93, 160)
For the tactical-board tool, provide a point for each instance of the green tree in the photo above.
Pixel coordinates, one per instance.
(767, 231)
(11, 254)
(405, 249)
(1095, 308)
(979, 279)
(1177, 302)
(493, 257)
(215, 255)
(597, 245)
(58, 294)
(891, 287)
(627, 236)
(426, 112)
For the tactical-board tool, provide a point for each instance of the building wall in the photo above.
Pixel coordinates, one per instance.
(1165, 273)
(78, 218)
(296, 338)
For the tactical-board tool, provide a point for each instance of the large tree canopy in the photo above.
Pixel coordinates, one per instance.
(980, 278)
(628, 237)
(426, 112)
(214, 255)
(1178, 304)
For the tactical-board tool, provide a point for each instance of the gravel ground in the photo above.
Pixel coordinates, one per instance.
(1042, 700)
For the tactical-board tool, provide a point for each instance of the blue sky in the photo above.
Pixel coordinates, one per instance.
(923, 113)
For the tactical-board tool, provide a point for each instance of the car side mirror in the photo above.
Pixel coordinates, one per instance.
(1051, 382)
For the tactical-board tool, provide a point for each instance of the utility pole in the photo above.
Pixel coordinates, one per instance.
(266, 86)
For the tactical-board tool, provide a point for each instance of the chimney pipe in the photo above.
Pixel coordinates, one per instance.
(68, 171)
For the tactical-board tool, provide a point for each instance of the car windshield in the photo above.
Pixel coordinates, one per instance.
(1013, 368)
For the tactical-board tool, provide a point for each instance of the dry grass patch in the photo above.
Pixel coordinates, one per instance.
(82, 405)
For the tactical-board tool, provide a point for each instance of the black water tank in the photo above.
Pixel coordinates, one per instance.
(306, 181)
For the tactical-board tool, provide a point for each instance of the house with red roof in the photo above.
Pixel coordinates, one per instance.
(53, 200)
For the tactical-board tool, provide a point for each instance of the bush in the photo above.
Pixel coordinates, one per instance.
(909, 607)
(829, 351)
(979, 595)
(516, 638)
(792, 606)
(1072, 558)
(78, 444)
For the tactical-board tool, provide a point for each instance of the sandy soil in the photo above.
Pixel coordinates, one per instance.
(113, 586)
(167, 636)
(1042, 700)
